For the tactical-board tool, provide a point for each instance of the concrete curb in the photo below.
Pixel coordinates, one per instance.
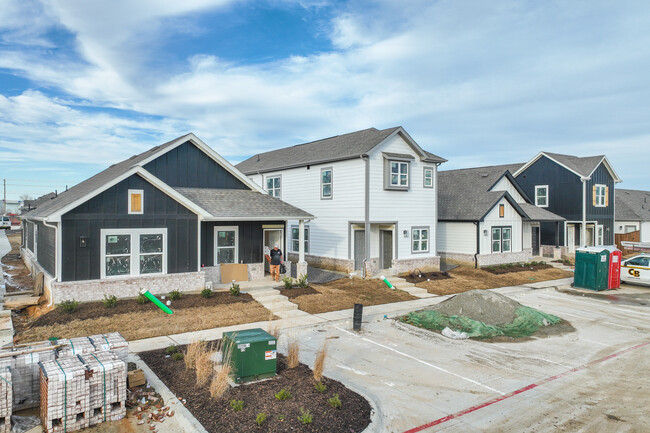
(182, 415)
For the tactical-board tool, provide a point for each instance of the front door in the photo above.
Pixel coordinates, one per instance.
(590, 236)
(535, 241)
(359, 248)
(386, 245)
(273, 237)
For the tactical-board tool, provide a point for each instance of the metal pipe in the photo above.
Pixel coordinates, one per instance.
(583, 231)
(156, 301)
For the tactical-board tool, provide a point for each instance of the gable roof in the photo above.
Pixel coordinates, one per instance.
(632, 205)
(582, 166)
(337, 148)
(464, 195)
(103, 180)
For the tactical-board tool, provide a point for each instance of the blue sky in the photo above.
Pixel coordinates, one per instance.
(86, 83)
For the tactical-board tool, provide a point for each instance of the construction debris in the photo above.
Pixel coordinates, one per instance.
(6, 400)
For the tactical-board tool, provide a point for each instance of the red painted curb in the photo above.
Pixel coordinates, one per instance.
(524, 389)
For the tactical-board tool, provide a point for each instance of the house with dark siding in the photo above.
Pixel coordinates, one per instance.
(165, 219)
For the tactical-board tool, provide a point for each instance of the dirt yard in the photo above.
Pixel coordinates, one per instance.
(464, 278)
(16, 274)
(343, 294)
(136, 321)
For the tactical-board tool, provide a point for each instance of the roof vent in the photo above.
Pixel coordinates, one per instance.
(485, 175)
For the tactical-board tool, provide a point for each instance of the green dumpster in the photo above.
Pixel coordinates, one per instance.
(592, 268)
(252, 354)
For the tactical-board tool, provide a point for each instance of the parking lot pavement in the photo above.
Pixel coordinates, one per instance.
(593, 379)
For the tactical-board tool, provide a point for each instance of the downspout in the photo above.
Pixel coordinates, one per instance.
(57, 259)
(583, 231)
(478, 243)
(367, 212)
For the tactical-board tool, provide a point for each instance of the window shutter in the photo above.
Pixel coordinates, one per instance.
(136, 203)
(593, 195)
(606, 196)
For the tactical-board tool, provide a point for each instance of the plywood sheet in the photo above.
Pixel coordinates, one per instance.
(233, 271)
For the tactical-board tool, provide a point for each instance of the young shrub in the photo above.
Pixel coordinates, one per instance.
(141, 299)
(260, 418)
(110, 301)
(206, 293)
(335, 401)
(178, 356)
(288, 282)
(320, 386)
(237, 405)
(280, 418)
(234, 289)
(319, 363)
(283, 394)
(204, 367)
(294, 353)
(192, 353)
(69, 306)
(171, 349)
(302, 281)
(175, 295)
(305, 416)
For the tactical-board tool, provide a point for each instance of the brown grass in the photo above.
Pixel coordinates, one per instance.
(466, 278)
(193, 352)
(319, 363)
(294, 353)
(151, 323)
(204, 367)
(219, 384)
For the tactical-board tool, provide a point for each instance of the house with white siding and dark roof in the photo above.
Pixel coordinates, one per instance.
(633, 213)
(374, 195)
(165, 219)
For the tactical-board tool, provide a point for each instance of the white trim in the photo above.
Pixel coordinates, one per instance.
(307, 239)
(261, 218)
(420, 229)
(216, 247)
(547, 195)
(540, 154)
(424, 176)
(279, 189)
(399, 163)
(599, 235)
(134, 192)
(603, 196)
(36, 241)
(134, 251)
(330, 183)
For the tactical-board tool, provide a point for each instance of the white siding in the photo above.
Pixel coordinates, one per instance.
(456, 237)
(505, 185)
(619, 226)
(301, 188)
(413, 208)
(645, 231)
(527, 236)
(511, 218)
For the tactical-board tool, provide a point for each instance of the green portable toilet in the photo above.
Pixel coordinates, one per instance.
(252, 353)
(592, 268)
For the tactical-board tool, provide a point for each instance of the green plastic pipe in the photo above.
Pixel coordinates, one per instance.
(156, 301)
(387, 282)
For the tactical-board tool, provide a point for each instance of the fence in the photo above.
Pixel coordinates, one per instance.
(626, 237)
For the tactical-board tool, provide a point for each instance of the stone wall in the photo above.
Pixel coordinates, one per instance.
(489, 259)
(128, 287)
(425, 264)
(331, 263)
(213, 273)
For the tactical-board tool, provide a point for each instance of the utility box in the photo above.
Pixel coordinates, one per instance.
(252, 352)
(598, 268)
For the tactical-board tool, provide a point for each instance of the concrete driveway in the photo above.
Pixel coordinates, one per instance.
(592, 380)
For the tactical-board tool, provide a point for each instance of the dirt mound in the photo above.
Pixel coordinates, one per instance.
(483, 305)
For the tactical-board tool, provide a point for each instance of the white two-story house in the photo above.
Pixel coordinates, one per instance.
(373, 194)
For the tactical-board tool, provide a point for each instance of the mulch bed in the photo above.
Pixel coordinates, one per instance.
(93, 310)
(216, 415)
(505, 269)
(415, 278)
(294, 292)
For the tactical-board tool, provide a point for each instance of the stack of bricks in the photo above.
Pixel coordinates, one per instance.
(65, 399)
(6, 400)
(107, 382)
(23, 361)
(75, 346)
(113, 342)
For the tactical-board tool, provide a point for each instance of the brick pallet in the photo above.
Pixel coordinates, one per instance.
(23, 362)
(75, 346)
(107, 382)
(65, 399)
(6, 401)
(113, 342)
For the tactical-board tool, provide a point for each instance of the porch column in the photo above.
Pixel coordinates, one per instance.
(557, 234)
(583, 229)
(301, 266)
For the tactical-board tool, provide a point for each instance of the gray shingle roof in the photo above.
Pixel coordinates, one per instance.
(237, 203)
(464, 195)
(337, 148)
(91, 184)
(632, 205)
(584, 165)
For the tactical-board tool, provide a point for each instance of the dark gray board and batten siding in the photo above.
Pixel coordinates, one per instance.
(109, 210)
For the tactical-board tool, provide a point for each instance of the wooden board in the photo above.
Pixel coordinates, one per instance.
(18, 302)
(233, 271)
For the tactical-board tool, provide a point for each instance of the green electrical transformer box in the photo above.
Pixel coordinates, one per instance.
(252, 352)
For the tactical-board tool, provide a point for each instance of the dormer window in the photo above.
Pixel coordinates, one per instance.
(541, 195)
(397, 171)
(136, 198)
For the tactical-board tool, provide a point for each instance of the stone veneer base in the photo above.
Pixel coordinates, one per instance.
(489, 259)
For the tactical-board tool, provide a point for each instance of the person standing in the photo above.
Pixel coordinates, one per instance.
(276, 261)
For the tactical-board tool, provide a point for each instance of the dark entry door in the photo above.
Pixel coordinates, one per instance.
(359, 248)
(535, 241)
(386, 248)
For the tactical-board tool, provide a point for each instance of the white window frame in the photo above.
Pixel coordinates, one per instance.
(132, 192)
(537, 188)
(600, 198)
(135, 250)
(424, 177)
(600, 234)
(413, 240)
(500, 240)
(273, 191)
(330, 183)
(400, 165)
(307, 238)
(217, 247)
(35, 240)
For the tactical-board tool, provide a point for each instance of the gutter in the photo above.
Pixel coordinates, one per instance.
(367, 212)
(57, 259)
(478, 243)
